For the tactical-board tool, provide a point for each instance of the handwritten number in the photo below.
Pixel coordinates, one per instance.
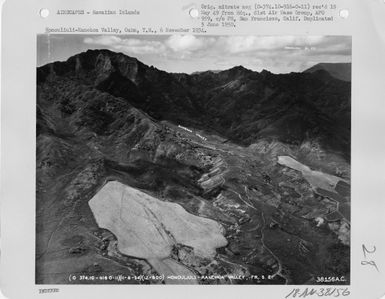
(367, 252)
(372, 263)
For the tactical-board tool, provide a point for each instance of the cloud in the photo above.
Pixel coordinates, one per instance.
(189, 43)
(224, 45)
(244, 44)
(175, 46)
(127, 45)
(188, 53)
(292, 48)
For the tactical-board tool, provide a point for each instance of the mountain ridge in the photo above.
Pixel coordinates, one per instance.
(222, 102)
(340, 71)
(209, 143)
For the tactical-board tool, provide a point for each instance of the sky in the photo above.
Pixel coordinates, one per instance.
(190, 53)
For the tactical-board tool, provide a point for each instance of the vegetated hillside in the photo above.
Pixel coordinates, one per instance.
(240, 104)
(103, 116)
(342, 71)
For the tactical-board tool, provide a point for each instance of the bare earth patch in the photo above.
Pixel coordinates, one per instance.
(148, 228)
(315, 178)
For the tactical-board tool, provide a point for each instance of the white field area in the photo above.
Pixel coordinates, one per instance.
(316, 179)
(147, 227)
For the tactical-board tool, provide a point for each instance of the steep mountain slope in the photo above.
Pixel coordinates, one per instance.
(103, 116)
(240, 104)
(342, 71)
(246, 106)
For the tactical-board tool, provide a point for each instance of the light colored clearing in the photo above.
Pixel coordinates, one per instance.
(315, 178)
(148, 228)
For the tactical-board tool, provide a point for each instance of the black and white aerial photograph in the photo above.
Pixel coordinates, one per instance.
(190, 159)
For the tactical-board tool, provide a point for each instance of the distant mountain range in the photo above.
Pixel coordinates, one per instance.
(342, 71)
(239, 104)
